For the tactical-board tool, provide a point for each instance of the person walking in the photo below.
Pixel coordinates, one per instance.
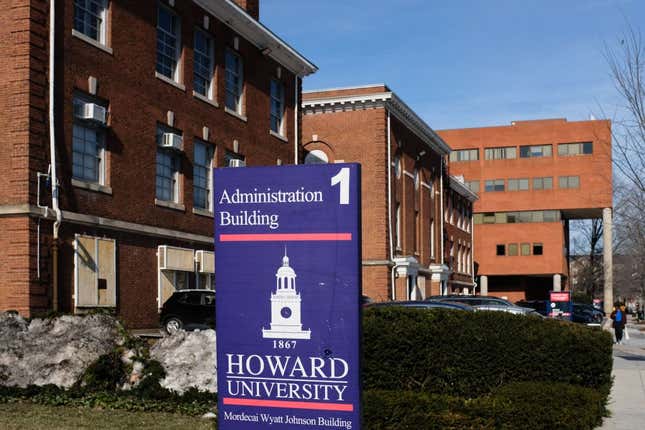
(618, 316)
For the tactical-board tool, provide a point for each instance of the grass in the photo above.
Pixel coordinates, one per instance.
(25, 415)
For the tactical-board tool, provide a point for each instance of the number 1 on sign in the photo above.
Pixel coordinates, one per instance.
(342, 178)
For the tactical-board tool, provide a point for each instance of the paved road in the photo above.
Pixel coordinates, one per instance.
(627, 399)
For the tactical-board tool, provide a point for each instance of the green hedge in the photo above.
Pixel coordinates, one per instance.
(470, 354)
(522, 405)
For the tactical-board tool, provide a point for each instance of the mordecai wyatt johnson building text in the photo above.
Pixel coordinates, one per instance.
(287, 246)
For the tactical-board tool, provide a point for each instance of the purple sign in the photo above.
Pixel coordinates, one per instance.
(288, 281)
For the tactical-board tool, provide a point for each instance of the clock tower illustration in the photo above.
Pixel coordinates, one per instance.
(285, 306)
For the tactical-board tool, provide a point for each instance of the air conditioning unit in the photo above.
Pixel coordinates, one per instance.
(235, 162)
(172, 141)
(93, 112)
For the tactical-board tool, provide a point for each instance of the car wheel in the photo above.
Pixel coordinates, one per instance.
(173, 325)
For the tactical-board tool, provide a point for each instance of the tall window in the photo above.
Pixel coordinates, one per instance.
(88, 147)
(569, 149)
(397, 223)
(494, 185)
(168, 43)
(569, 181)
(277, 106)
(234, 81)
(531, 151)
(202, 177)
(464, 155)
(168, 168)
(505, 153)
(167, 175)
(89, 18)
(87, 153)
(203, 69)
(518, 184)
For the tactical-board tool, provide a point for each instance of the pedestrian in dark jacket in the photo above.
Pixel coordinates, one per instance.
(618, 316)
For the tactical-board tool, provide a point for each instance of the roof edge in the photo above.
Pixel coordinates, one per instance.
(396, 106)
(251, 29)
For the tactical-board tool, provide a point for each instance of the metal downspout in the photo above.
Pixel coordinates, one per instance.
(52, 150)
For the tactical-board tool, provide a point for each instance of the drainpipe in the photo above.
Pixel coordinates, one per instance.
(443, 215)
(389, 207)
(296, 111)
(52, 149)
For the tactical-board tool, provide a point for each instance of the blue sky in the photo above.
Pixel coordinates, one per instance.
(464, 63)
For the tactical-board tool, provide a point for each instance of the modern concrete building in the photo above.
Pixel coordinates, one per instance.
(112, 115)
(532, 177)
(404, 184)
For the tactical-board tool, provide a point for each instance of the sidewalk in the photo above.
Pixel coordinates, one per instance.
(627, 399)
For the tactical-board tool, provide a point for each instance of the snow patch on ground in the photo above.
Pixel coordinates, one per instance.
(52, 351)
(190, 360)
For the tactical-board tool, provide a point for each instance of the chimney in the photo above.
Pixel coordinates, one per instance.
(252, 7)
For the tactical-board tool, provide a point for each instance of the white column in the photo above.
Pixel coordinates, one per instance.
(557, 282)
(483, 288)
(607, 259)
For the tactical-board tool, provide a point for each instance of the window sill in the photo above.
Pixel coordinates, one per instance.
(203, 212)
(170, 81)
(92, 42)
(278, 136)
(91, 186)
(170, 205)
(205, 99)
(235, 114)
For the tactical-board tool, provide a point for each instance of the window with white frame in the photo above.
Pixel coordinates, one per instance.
(202, 176)
(90, 19)
(204, 61)
(167, 176)
(432, 238)
(168, 43)
(472, 186)
(234, 81)
(88, 146)
(168, 169)
(277, 106)
(397, 223)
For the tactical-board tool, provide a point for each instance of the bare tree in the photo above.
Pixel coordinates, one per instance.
(588, 261)
(626, 62)
(627, 67)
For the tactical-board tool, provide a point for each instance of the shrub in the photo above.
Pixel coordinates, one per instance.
(517, 406)
(470, 354)
(107, 373)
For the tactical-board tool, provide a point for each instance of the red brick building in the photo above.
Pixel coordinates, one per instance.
(532, 177)
(458, 237)
(404, 181)
(148, 96)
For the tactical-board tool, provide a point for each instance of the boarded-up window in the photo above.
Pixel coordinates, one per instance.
(94, 271)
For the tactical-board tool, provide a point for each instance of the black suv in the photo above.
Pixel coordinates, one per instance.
(188, 309)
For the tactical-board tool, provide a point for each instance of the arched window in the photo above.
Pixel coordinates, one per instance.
(316, 157)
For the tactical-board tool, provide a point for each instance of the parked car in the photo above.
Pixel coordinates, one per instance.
(424, 305)
(583, 314)
(540, 306)
(189, 310)
(485, 303)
